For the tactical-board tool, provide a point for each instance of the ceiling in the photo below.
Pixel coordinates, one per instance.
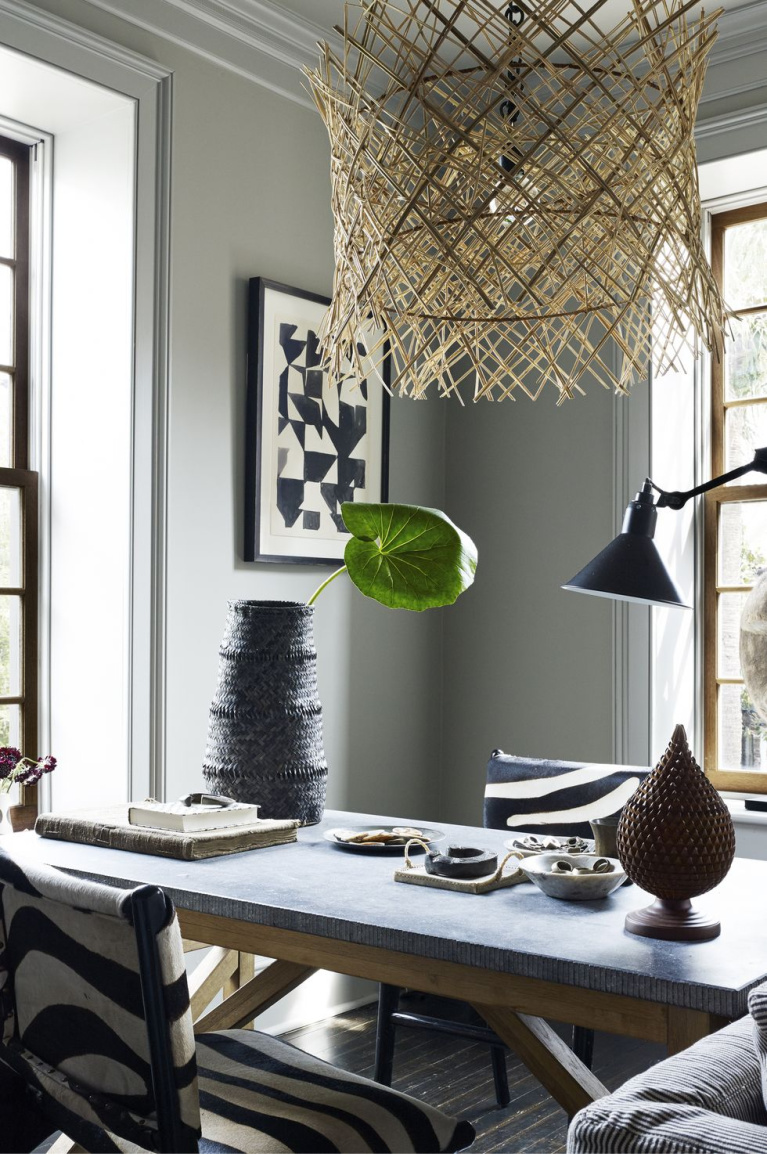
(316, 20)
(271, 41)
(326, 13)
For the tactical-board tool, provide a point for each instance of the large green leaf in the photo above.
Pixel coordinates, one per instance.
(407, 557)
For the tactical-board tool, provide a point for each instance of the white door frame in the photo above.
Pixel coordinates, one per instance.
(57, 42)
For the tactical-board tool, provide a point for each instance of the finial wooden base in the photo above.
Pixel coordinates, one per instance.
(673, 921)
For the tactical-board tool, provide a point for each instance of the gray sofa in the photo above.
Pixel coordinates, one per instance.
(706, 1100)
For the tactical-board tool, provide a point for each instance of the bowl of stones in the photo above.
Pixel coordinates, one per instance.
(528, 844)
(574, 877)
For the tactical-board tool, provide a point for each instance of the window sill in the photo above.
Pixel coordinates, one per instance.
(743, 816)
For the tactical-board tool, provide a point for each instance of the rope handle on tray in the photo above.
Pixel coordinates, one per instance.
(496, 877)
(422, 841)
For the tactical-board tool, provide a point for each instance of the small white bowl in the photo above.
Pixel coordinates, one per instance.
(572, 887)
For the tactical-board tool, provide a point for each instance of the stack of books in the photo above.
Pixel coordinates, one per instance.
(189, 833)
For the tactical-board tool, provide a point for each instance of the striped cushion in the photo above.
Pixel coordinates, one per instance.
(71, 966)
(705, 1100)
(262, 1096)
(757, 1004)
(527, 793)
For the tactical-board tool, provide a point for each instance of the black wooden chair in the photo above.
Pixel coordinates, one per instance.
(540, 797)
(96, 1032)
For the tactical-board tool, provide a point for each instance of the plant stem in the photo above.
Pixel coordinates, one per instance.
(325, 584)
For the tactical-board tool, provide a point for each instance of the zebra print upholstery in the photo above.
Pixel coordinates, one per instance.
(74, 1014)
(76, 991)
(525, 793)
(261, 1095)
(705, 1100)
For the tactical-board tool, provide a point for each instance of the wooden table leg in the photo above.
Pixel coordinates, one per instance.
(210, 976)
(246, 968)
(255, 996)
(546, 1056)
(243, 972)
(190, 947)
(688, 1026)
(64, 1145)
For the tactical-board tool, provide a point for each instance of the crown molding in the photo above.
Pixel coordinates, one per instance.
(254, 38)
(269, 45)
(284, 35)
(38, 19)
(729, 122)
(742, 32)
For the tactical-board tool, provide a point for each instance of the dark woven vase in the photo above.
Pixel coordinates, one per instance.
(265, 728)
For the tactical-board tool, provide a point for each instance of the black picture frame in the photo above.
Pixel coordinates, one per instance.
(293, 491)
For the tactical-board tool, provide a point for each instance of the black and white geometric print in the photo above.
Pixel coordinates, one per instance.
(322, 434)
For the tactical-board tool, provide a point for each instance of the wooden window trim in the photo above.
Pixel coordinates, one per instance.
(27, 482)
(18, 476)
(19, 154)
(739, 781)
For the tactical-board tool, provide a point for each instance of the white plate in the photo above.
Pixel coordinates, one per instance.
(430, 834)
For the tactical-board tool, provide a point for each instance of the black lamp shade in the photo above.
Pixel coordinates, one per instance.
(630, 567)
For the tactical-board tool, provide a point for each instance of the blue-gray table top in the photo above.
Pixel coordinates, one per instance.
(315, 887)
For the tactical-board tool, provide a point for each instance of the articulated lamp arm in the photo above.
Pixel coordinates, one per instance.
(676, 500)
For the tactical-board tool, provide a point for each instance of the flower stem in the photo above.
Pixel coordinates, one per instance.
(325, 584)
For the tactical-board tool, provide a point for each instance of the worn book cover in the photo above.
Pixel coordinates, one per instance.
(110, 828)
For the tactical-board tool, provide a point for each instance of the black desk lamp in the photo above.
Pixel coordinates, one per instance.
(630, 567)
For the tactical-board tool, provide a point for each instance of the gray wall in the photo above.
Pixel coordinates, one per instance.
(413, 704)
(251, 196)
(528, 666)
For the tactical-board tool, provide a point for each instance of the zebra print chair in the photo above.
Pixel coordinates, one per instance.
(96, 1025)
(531, 795)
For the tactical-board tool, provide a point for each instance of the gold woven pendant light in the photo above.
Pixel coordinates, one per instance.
(515, 193)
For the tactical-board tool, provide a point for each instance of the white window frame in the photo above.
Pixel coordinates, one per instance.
(40, 35)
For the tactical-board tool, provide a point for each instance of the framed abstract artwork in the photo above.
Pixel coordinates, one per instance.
(310, 445)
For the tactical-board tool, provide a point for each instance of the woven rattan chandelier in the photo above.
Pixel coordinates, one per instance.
(515, 194)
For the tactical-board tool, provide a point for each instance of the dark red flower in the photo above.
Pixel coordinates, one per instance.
(30, 775)
(22, 770)
(9, 758)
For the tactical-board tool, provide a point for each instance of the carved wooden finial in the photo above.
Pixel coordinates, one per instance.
(675, 837)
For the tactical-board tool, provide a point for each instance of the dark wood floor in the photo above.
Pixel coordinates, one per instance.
(455, 1075)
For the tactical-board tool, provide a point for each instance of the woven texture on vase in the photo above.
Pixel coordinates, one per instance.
(675, 837)
(265, 728)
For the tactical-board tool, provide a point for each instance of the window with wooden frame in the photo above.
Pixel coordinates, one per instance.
(736, 514)
(18, 485)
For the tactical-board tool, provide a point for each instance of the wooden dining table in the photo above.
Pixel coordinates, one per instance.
(522, 959)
